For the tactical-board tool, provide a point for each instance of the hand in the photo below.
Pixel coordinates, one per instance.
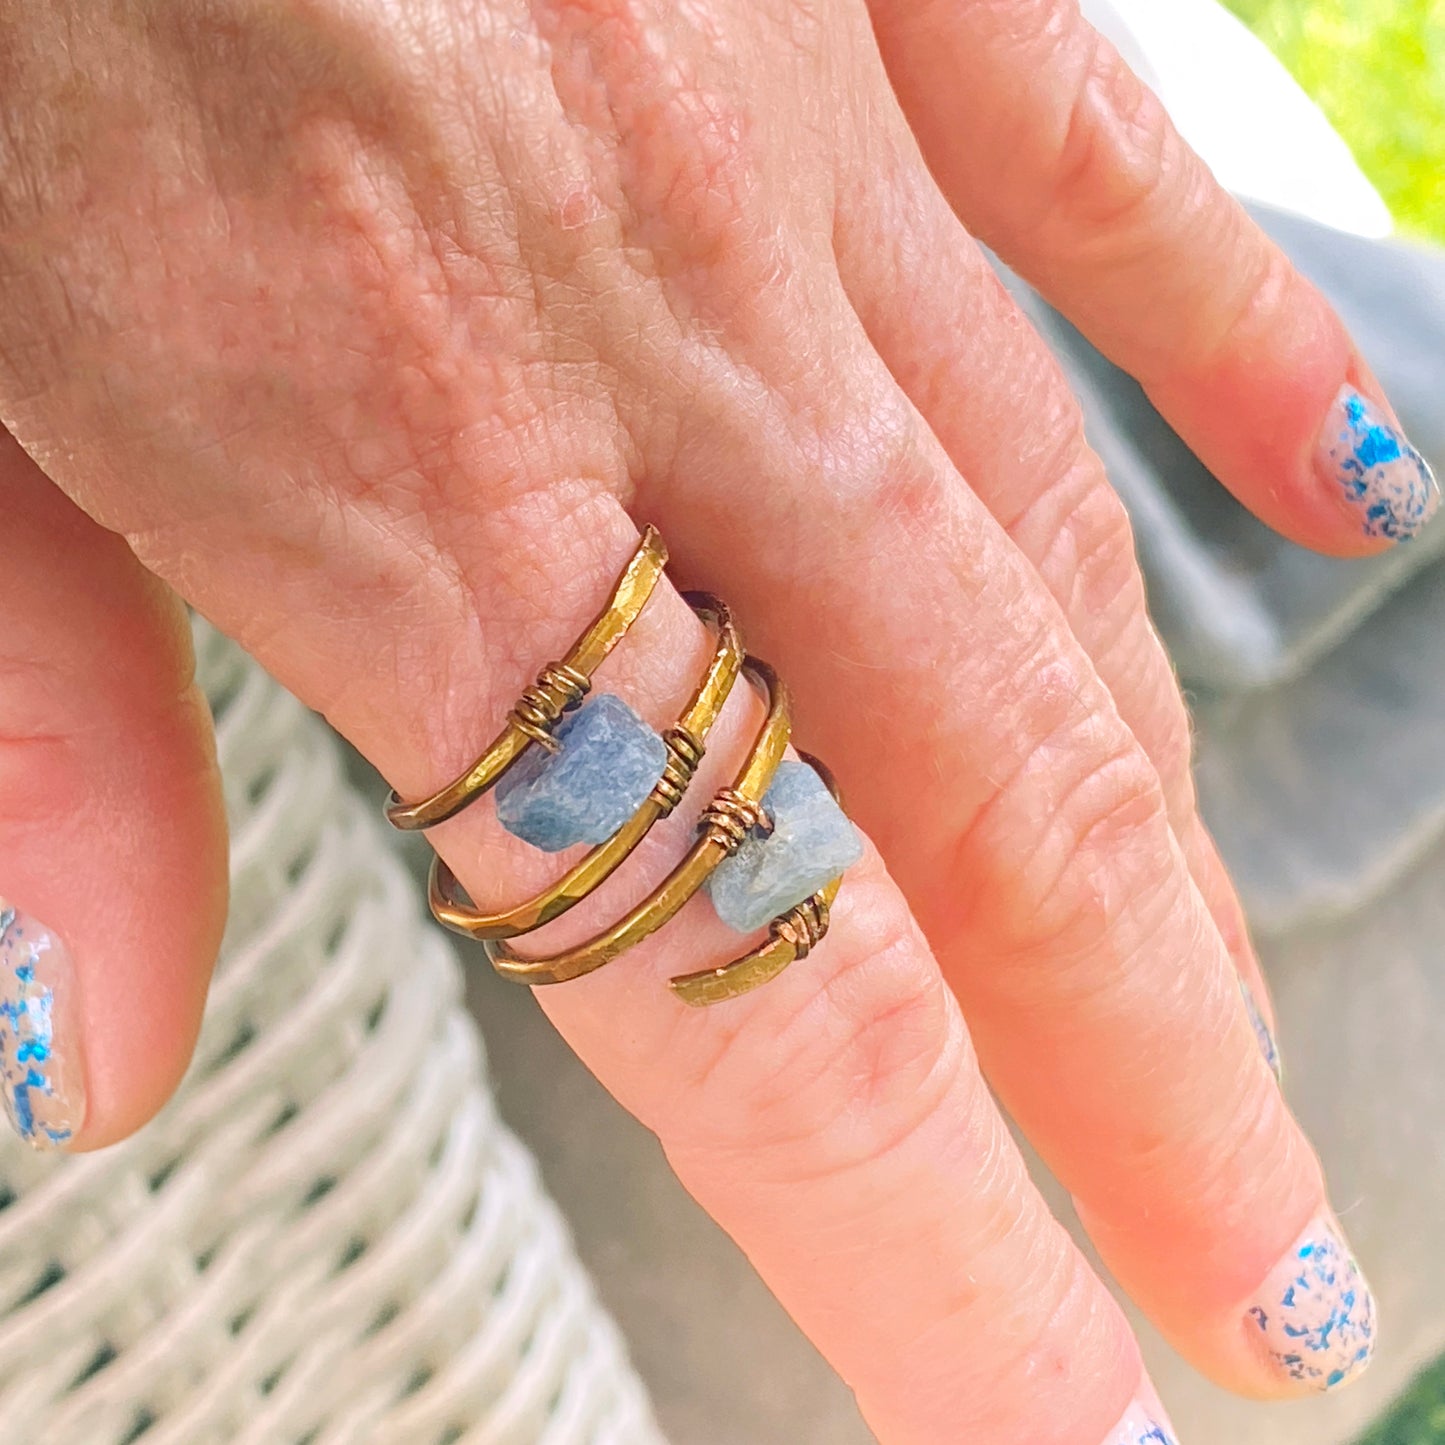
(370, 329)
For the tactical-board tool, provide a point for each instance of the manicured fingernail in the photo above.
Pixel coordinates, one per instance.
(1144, 1423)
(1367, 458)
(1315, 1317)
(1262, 1031)
(41, 1080)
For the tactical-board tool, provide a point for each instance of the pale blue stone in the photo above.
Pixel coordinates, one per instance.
(606, 764)
(812, 842)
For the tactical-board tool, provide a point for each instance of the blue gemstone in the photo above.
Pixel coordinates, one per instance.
(812, 842)
(606, 764)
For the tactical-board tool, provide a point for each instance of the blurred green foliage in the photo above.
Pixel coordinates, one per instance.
(1377, 69)
(1418, 1420)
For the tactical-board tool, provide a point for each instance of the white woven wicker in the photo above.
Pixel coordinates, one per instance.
(328, 1236)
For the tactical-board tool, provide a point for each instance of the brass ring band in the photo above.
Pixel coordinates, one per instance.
(719, 836)
(685, 740)
(558, 689)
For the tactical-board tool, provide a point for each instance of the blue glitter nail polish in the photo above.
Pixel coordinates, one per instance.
(1316, 1316)
(1376, 469)
(1263, 1034)
(1143, 1424)
(40, 1075)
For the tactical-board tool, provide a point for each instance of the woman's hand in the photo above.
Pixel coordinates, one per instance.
(372, 328)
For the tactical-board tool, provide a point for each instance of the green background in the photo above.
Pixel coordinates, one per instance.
(1377, 69)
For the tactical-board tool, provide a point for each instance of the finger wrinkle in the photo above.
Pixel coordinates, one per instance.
(1261, 300)
(1091, 804)
(1078, 533)
(1117, 153)
(1157, 712)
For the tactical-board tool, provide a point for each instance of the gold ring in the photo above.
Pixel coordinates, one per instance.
(791, 936)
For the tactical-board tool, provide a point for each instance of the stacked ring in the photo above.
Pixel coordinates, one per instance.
(780, 833)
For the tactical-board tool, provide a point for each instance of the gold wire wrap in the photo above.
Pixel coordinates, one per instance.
(684, 755)
(791, 937)
(558, 688)
(730, 817)
(685, 740)
(720, 835)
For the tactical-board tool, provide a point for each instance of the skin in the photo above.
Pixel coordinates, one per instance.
(375, 331)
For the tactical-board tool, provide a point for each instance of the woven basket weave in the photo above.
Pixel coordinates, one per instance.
(328, 1236)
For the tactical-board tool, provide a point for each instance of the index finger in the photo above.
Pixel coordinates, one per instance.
(1073, 172)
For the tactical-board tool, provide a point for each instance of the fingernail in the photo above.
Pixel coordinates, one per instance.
(1315, 1316)
(1144, 1423)
(1367, 457)
(40, 1068)
(1262, 1031)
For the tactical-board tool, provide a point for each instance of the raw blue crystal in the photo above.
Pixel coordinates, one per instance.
(811, 843)
(606, 764)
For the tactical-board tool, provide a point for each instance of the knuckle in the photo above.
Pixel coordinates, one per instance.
(1117, 154)
(1111, 808)
(41, 782)
(1080, 532)
(1061, 1297)
(873, 444)
(1038, 1310)
(1241, 1149)
(678, 143)
(859, 1054)
(1073, 842)
(1262, 287)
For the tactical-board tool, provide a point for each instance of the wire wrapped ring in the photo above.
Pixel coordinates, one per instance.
(736, 816)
